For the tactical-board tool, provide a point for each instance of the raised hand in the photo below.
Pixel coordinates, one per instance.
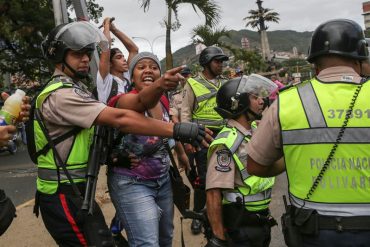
(171, 78)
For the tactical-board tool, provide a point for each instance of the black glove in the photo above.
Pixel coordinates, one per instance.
(216, 242)
(189, 133)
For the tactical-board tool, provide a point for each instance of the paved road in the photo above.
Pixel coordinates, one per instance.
(18, 176)
(277, 209)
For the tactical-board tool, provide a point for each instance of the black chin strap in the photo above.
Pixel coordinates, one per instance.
(255, 115)
(77, 74)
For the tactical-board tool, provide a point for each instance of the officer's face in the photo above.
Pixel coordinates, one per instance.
(216, 66)
(256, 104)
(145, 73)
(365, 70)
(78, 60)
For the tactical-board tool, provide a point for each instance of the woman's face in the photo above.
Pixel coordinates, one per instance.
(145, 73)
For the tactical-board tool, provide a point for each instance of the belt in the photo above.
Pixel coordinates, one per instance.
(339, 223)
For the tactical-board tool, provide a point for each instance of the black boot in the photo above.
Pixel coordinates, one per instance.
(199, 203)
(119, 240)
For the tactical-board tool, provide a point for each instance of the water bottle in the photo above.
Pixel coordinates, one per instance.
(12, 107)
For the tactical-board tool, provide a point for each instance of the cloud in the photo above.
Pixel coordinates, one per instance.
(298, 15)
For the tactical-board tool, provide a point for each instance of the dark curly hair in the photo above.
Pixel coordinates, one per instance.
(113, 52)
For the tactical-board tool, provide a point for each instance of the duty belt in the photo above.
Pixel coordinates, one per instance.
(344, 223)
(238, 197)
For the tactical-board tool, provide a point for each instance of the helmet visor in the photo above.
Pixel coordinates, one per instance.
(257, 85)
(78, 35)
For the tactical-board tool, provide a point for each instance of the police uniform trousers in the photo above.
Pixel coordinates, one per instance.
(63, 218)
(246, 228)
(333, 238)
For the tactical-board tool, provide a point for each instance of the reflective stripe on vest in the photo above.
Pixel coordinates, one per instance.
(338, 209)
(51, 175)
(205, 95)
(255, 187)
(47, 181)
(310, 124)
(236, 196)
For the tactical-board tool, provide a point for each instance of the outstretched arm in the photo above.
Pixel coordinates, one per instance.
(136, 123)
(149, 96)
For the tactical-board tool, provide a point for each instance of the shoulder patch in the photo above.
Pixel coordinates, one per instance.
(223, 160)
(82, 93)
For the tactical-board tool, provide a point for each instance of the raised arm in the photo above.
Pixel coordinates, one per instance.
(104, 63)
(126, 41)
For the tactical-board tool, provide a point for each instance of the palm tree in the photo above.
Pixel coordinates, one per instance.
(209, 9)
(257, 19)
(209, 36)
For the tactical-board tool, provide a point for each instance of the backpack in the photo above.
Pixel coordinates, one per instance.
(29, 128)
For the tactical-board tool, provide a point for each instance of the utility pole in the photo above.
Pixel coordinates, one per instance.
(60, 12)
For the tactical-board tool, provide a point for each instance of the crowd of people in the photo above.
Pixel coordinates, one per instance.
(231, 136)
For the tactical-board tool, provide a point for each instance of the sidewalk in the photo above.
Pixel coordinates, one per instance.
(29, 231)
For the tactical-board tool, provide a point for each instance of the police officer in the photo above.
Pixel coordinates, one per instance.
(65, 111)
(175, 114)
(176, 99)
(199, 100)
(237, 203)
(325, 146)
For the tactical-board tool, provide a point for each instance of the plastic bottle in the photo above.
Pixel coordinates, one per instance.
(12, 107)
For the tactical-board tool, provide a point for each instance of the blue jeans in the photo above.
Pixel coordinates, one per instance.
(145, 207)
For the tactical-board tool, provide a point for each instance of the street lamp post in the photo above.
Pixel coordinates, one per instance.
(151, 44)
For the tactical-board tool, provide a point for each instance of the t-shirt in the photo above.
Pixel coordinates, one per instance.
(104, 86)
(153, 158)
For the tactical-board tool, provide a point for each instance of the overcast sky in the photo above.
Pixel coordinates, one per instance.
(298, 15)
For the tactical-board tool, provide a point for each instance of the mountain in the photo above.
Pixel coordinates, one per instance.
(280, 41)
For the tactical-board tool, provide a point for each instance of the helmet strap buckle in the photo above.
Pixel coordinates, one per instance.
(235, 102)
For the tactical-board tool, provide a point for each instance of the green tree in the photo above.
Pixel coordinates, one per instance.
(209, 9)
(209, 36)
(298, 65)
(24, 24)
(257, 19)
(251, 60)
